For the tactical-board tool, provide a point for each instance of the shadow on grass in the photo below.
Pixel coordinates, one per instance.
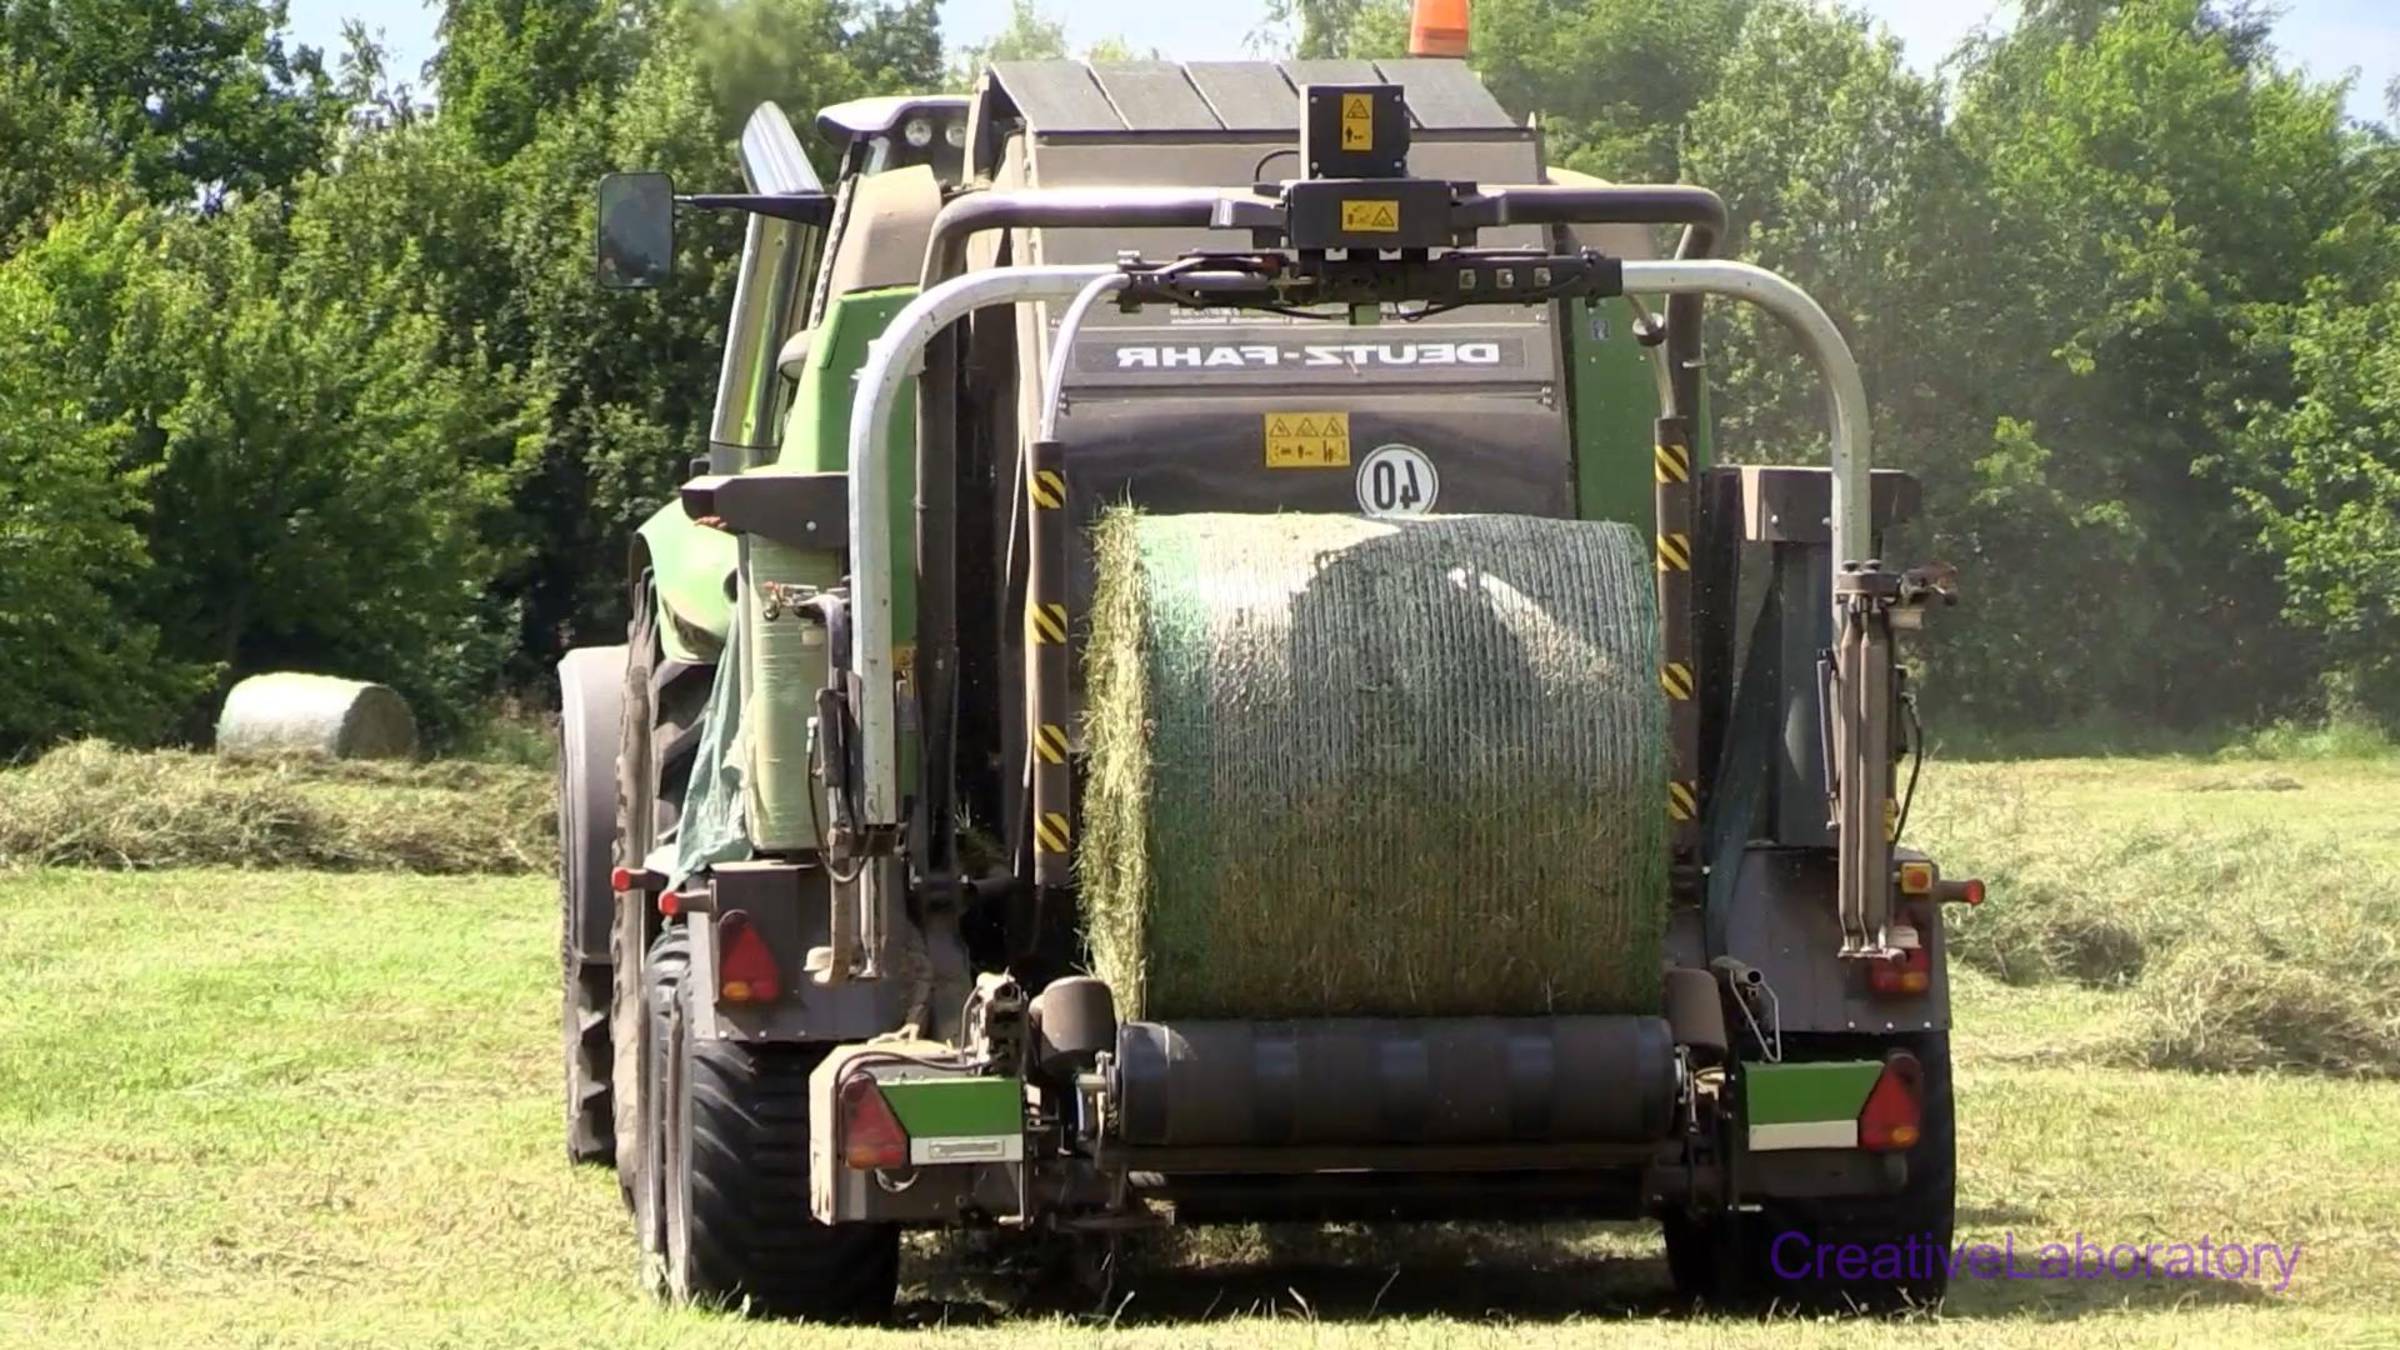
(1473, 1273)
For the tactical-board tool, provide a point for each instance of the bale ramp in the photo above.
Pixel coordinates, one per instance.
(286, 713)
(1345, 767)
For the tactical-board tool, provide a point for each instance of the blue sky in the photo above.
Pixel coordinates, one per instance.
(2327, 36)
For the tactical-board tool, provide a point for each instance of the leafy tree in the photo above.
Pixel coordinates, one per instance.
(1612, 80)
(805, 54)
(201, 97)
(51, 148)
(1831, 155)
(325, 475)
(74, 657)
(504, 64)
(2328, 491)
(1030, 35)
(2142, 198)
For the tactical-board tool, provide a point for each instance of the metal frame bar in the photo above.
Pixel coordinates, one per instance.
(897, 353)
(1822, 341)
(891, 358)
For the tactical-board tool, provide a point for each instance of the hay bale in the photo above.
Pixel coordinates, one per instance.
(286, 713)
(1388, 767)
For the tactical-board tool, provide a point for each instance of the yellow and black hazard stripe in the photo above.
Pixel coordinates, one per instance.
(1050, 742)
(1053, 832)
(1675, 552)
(1676, 678)
(1672, 462)
(1045, 623)
(1683, 801)
(1047, 488)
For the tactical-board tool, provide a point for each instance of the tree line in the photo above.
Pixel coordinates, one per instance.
(299, 368)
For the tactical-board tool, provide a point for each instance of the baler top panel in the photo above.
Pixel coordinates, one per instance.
(1073, 98)
(1178, 410)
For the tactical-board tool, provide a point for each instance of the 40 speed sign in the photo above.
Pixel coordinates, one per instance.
(1397, 480)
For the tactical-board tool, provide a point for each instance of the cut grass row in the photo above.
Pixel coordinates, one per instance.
(94, 805)
(2246, 907)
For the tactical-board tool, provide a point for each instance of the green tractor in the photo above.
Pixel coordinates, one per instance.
(833, 835)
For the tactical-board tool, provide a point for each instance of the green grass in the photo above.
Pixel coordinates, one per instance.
(305, 1109)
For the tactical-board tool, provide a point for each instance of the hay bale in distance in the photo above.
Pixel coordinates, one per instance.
(1375, 767)
(287, 713)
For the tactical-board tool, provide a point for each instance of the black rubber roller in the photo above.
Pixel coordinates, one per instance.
(1431, 1081)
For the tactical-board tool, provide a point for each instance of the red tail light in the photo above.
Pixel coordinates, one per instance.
(1968, 892)
(746, 970)
(871, 1135)
(1908, 974)
(1894, 1116)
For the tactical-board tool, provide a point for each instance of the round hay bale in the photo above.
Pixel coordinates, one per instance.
(287, 713)
(1343, 766)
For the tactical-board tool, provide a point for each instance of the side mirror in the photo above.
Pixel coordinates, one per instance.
(637, 231)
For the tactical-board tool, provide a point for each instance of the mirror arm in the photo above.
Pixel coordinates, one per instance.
(808, 208)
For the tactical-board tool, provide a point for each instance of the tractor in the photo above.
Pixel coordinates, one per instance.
(825, 871)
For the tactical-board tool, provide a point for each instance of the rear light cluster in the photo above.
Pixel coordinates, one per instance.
(1911, 972)
(1894, 1115)
(746, 969)
(872, 1137)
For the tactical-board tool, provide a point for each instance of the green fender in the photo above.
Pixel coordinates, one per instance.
(693, 566)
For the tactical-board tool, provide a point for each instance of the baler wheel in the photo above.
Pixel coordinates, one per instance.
(1730, 1260)
(590, 681)
(670, 957)
(662, 705)
(739, 1232)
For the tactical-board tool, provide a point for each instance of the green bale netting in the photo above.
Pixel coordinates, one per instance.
(1343, 766)
(288, 713)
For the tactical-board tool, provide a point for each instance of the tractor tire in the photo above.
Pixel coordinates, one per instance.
(589, 680)
(662, 706)
(670, 957)
(739, 1232)
(1730, 1260)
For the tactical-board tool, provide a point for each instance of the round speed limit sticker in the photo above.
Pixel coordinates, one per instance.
(1397, 480)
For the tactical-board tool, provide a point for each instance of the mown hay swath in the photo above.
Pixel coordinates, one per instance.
(1347, 766)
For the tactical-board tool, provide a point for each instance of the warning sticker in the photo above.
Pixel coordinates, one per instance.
(1371, 217)
(1308, 440)
(1358, 122)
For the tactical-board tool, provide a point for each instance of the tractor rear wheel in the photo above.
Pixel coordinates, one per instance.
(738, 1228)
(1733, 1259)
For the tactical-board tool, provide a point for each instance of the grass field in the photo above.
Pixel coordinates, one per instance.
(313, 1109)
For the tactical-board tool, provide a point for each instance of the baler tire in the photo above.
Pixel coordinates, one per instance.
(739, 1232)
(663, 702)
(584, 851)
(1730, 1260)
(587, 989)
(670, 957)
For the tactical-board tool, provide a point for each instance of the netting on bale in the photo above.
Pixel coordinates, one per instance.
(1343, 766)
(289, 713)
